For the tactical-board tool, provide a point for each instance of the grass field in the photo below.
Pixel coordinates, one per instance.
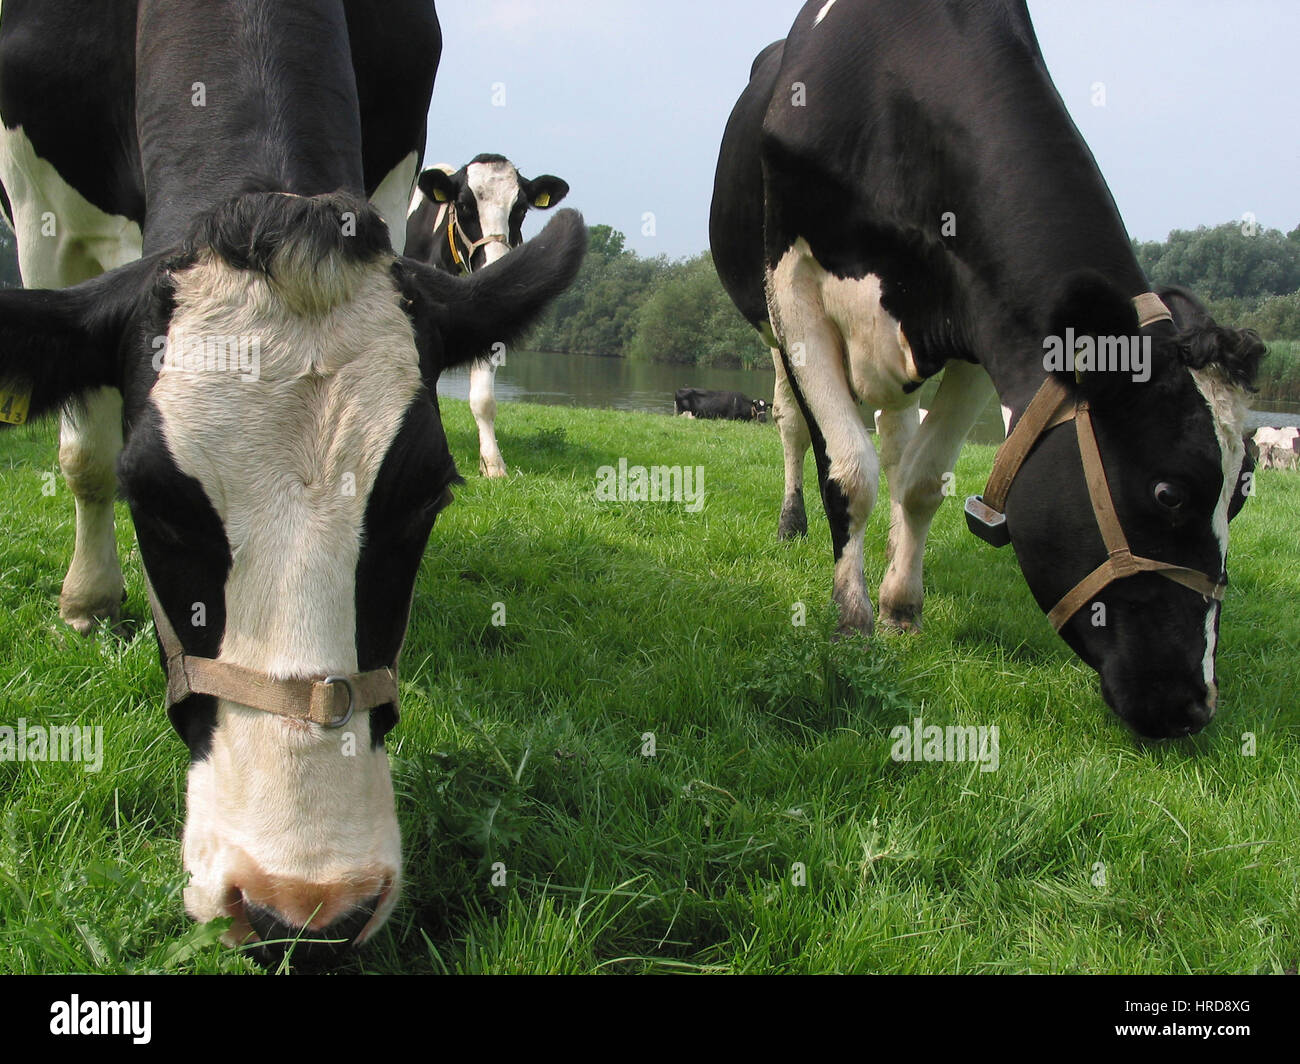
(771, 831)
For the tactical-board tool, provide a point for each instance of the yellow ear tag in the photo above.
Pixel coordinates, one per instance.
(13, 406)
(439, 195)
(543, 200)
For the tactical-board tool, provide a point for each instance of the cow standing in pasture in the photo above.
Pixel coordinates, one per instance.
(901, 193)
(243, 352)
(461, 221)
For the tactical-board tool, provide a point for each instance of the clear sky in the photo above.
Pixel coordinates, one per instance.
(627, 100)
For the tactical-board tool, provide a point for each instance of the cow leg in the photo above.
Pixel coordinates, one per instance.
(89, 441)
(794, 445)
(897, 429)
(846, 461)
(483, 405)
(81, 244)
(918, 489)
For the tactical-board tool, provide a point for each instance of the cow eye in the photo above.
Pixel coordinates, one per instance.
(1170, 496)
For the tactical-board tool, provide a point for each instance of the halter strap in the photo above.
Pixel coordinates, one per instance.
(329, 701)
(448, 211)
(1053, 405)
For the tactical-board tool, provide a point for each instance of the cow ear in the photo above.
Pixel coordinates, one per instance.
(1087, 305)
(462, 318)
(58, 344)
(1235, 352)
(546, 191)
(438, 185)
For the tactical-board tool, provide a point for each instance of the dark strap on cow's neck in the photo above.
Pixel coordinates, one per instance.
(329, 701)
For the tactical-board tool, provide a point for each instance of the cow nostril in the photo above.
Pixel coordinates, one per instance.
(308, 948)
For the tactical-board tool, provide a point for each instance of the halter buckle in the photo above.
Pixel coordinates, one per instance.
(352, 700)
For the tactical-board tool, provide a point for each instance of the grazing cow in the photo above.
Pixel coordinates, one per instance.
(461, 222)
(1279, 448)
(271, 362)
(697, 402)
(903, 193)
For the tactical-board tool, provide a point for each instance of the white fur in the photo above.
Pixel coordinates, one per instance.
(825, 10)
(495, 187)
(288, 462)
(393, 195)
(84, 242)
(1227, 405)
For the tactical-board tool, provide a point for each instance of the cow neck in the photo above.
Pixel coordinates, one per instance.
(1053, 405)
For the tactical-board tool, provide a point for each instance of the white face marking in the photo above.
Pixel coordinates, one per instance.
(1228, 412)
(392, 196)
(825, 10)
(495, 187)
(288, 462)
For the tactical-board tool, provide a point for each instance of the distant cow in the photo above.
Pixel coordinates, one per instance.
(696, 402)
(1279, 448)
(460, 221)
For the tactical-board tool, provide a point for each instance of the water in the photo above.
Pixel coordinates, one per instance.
(619, 384)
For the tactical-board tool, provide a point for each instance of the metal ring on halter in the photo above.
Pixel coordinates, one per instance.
(352, 698)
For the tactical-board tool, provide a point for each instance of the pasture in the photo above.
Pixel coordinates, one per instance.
(771, 830)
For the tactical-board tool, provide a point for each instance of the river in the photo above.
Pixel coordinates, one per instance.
(620, 384)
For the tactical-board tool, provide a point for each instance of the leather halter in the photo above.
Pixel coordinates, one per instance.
(1054, 405)
(448, 211)
(329, 701)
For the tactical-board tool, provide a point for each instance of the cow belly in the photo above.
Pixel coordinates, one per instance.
(393, 196)
(62, 237)
(878, 360)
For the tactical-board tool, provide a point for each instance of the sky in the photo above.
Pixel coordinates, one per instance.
(627, 99)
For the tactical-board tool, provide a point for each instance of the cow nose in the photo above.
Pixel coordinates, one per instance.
(309, 948)
(316, 924)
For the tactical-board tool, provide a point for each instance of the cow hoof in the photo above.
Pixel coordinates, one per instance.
(85, 617)
(492, 470)
(793, 524)
(901, 618)
(856, 619)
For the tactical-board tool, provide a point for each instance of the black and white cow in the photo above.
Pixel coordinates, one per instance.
(461, 221)
(732, 406)
(271, 363)
(903, 193)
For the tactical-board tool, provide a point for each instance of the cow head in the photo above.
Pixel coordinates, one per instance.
(284, 465)
(758, 411)
(491, 198)
(1173, 457)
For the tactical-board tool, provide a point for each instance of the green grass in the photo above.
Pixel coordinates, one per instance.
(1086, 851)
(1279, 371)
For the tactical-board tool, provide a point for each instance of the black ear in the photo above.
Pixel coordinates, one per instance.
(497, 304)
(439, 186)
(58, 344)
(546, 191)
(1237, 352)
(1087, 305)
